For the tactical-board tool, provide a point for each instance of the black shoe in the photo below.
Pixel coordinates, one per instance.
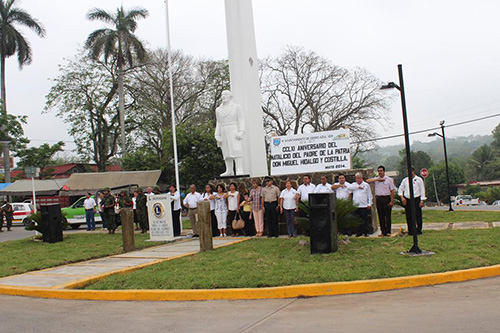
(88, 229)
(419, 232)
(196, 235)
(358, 235)
(366, 235)
(269, 236)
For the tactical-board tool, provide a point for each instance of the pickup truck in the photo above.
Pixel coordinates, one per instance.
(75, 214)
(466, 200)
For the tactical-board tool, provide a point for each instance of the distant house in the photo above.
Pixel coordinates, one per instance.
(64, 170)
(484, 185)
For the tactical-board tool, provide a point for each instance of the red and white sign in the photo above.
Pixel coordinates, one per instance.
(424, 173)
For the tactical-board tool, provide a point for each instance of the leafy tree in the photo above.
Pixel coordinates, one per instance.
(490, 195)
(12, 42)
(85, 97)
(117, 44)
(303, 92)
(200, 160)
(197, 86)
(39, 156)
(478, 162)
(142, 158)
(495, 145)
(457, 176)
(14, 132)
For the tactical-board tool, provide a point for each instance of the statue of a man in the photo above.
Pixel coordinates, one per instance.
(229, 132)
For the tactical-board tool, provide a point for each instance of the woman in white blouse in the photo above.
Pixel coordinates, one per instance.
(175, 199)
(221, 208)
(288, 206)
(233, 204)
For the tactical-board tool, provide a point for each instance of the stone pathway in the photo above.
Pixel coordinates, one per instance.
(62, 276)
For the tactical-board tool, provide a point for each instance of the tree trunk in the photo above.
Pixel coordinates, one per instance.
(6, 158)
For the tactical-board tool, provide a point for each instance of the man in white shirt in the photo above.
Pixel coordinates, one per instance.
(191, 202)
(89, 205)
(341, 190)
(419, 198)
(306, 188)
(362, 198)
(324, 187)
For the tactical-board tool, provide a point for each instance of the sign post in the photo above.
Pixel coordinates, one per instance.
(160, 218)
(424, 173)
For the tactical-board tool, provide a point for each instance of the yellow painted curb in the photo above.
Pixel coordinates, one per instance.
(307, 290)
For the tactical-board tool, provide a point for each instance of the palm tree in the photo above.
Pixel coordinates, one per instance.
(117, 43)
(13, 42)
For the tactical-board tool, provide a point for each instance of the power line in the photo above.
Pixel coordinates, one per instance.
(428, 129)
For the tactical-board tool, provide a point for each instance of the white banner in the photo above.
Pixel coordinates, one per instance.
(160, 218)
(314, 152)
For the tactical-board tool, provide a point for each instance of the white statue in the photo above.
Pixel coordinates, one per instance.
(229, 133)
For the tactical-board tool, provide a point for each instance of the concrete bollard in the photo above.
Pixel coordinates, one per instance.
(205, 226)
(127, 217)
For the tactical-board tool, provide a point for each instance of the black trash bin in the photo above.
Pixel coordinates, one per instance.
(323, 222)
(52, 227)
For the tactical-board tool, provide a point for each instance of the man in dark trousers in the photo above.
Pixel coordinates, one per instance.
(8, 212)
(108, 203)
(270, 197)
(419, 199)
(142, 210)
(384, 195)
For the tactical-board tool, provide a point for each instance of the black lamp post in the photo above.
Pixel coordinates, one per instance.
(442, 136)
(415, 249)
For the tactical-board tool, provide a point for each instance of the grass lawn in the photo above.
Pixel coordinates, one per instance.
(20, 256)
(428, 215)
(278, 262)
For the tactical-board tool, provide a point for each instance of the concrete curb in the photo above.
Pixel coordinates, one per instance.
(307, 290)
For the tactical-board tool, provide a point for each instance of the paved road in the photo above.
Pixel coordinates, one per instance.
(459, 307)
(18, 232)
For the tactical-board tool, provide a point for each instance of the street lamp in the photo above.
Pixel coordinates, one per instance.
(415, 249)
(442, 136)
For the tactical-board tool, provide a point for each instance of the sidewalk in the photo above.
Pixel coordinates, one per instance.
(62, 276)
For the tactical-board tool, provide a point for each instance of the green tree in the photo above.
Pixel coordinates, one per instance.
(12, 42)
(457, 176)
(39, 156)
(495, 145)
(200, 160)
(142, 158)
(478, 162)
(117, 44)
(472, 190)
(14, 131)
(85, 97)
(197, 88)
(490, 195)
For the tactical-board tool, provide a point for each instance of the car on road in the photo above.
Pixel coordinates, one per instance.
(496, 203)
(22, 212)
(75, 214)
(466, 200)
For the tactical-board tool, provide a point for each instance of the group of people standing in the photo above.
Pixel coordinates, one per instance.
(361, 195)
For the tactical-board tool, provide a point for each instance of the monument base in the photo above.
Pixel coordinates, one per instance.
(233, 177)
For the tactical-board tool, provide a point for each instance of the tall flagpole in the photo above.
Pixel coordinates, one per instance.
(172, 109)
